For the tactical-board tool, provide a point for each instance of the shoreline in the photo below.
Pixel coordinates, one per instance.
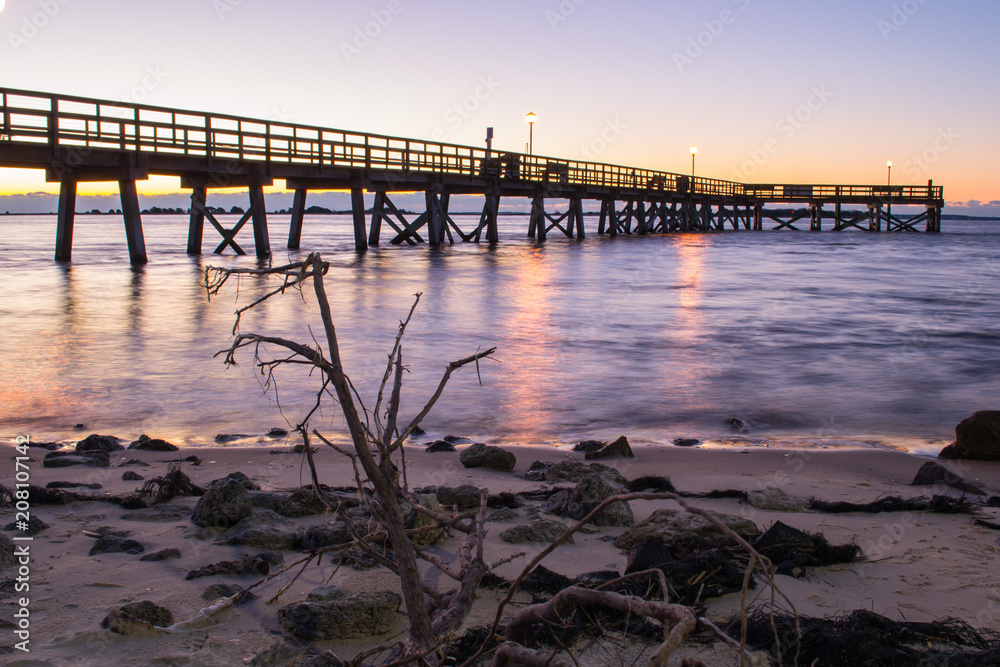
(919, 566)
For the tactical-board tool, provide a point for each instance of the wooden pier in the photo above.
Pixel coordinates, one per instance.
(78, 140)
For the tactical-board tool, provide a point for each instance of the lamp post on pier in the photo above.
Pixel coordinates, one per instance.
(694, 151)
(531, 117)
(889, 166)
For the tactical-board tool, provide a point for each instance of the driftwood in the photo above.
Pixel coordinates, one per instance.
(376, 437)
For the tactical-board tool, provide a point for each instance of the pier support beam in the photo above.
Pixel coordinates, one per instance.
(488, 220)
(133, 223)
(258, 214)
(536, 224)
(64, 221)
(298, 216)
(358, 208)
(196, 227)
(815, 217)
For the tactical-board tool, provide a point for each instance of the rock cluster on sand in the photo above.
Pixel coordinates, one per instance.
(668, 525)
(92, 459)
(619, 448)
(329, 613)
(137, 618)
(222, 505)
(263, 529)
(145, 443)
(99, 443)
(486, 456)
(589, 492)
(976, 437)
(540, 530)
(931, 473)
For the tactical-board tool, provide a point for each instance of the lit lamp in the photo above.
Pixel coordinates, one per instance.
(889, 165)
(531, 117)
(694, 151)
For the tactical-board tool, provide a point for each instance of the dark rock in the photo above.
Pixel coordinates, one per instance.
(465, 497)
(112, 545)
(541, 530)
(648, 555)
(573, 471)
(246, 564)
(504, 499)
(222, 505)
(263, 529)
(619, 448)
(269, 500)
(35, 526)
(7, 557)
(669, 525)
(774, 499)
(505, 514)
(80, 427)
(455, 439)
(686, 442)
(791, 549)
(302, 502)
(588, 494)
(976, 437)
(93, 459)
(346, 616)
(99, 443)
(132, 462)
(485, 456)
(282, 655)
(111, 531)
(932, 473)
(651, 483)
(39, 496)
(193, 460)
(223, 438)
(129, 476)
(277, 433)
(165, 554)
(217, 591)
(431, 533)
(441, 446)
(326, 535)
(243, 480)
(417, 431)
(73, 485)
(145, 443)
(50, 446)
(738, 425)
(590, 446)
(138, 618)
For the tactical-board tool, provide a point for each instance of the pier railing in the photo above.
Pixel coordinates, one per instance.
(80, 123)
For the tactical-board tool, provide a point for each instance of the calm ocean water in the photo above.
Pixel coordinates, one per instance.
(808, 337)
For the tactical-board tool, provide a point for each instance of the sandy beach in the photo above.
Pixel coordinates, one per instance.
(917, 566)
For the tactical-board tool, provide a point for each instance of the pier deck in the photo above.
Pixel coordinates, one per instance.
(79, 140)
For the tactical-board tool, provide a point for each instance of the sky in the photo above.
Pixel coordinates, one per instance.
(808, 91)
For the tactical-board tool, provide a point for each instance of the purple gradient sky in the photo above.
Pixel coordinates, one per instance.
(803, 91)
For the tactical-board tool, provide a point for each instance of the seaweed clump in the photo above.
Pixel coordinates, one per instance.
(865, 639)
